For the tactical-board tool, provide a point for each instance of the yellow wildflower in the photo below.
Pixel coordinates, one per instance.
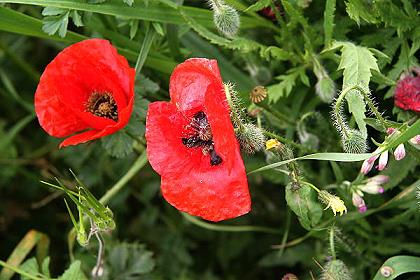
(272, 144)
(333, 202)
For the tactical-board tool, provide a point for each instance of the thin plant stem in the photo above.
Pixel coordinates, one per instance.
(332, 247)
(21, 272)
(145, 47)
(137, 165)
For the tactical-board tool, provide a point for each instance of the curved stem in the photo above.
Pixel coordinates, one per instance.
(138, 164)
(369, 101)
(227, 228)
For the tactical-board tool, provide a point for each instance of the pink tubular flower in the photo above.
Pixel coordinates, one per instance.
(372, 188)
(368, 164)
(415, 140)
(383, 161)
(379, 179)
(399, 152)
(390, 130)
(359, 202)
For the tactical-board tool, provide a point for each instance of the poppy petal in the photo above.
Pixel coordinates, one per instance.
(190, 81)
(213, 195)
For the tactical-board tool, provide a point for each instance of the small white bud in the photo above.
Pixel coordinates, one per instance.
(399, 152)
(383, 161)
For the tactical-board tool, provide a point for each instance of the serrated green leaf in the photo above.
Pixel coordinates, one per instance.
(284, 88)
(53, 11)
(77, 19)
(74, 272)
(329, 21)
(118, 145)
(30, 266)
(359, 9)
(303, 202)
(259, 5)
(357, 63)
(54, 24)
(128, 261)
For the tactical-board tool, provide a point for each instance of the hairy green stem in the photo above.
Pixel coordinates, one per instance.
(332, 247)
(340, 120)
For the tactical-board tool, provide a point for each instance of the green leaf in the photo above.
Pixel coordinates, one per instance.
(128, 261)
(359, 9)
(129, 2)
(118, 145)
(74, 272)
(259, 5)
(399, 265)
(30, 266)
(54, 24)
(284, 88)
(357, 63)
(329, 21)
(153, 12)
(303, 202)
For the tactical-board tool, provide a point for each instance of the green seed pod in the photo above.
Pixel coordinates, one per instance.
(335, 270)
(226, 19)
(250, 138)
(354, 142)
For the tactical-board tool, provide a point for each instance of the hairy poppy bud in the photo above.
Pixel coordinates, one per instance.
(225, 18)
(251, 138)
(337, 270)
(354, 142)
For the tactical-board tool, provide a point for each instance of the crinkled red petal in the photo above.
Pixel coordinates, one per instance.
(189, 182)
(407, 94)
(213, 194)
(68, 81)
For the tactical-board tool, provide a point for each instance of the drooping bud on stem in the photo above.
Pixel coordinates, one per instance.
(225, 18)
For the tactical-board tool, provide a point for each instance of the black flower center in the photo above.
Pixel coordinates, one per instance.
(199, 135)
(102, 105)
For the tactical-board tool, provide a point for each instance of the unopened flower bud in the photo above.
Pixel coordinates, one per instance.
(415, 140)
(390, 130)
(379, 179)
(399, 152)
(225, 18)
(251, 138)
(383, 161)
(372, 188)
(366, 166)
(337, 270)
(325, 89)
(258, 94)
(289, 276)
(354, 142)
(357, 200)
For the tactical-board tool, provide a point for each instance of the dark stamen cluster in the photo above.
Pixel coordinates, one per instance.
(200, 136)
(102, 105)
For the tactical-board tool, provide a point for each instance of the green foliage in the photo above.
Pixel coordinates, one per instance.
(302, 200)
(129, 261)
(357, 63)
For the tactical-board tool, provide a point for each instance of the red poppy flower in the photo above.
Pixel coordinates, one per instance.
(191, 143)
(407, 94)
(87, 88)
